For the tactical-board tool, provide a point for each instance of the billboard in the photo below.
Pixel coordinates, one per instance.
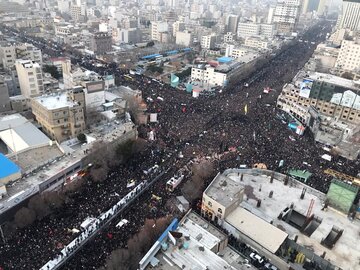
(93, 87)
(305, 88)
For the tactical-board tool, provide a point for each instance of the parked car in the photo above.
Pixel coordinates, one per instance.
(257, 260)
(270, 266)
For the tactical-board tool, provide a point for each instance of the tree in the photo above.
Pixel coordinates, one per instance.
(347, 75)
(54, 199)
(52, 70)
(81, 137)
(39, 206)
(24, 217)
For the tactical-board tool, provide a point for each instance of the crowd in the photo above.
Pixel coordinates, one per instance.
(195, 128)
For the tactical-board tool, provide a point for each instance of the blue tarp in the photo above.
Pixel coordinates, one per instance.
(224, 59)
(187, 50)
(7, 167)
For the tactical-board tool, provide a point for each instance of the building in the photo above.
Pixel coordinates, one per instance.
(208, 42)
(184, 39)
(229, 37)
(9, 170)
(101, 43)
(330, 95)
(18, 134)
(9, 54)
(178, 27)
(30, 78)
(286, 15)
(208, 76)
(350, 17)
(131, 35)
(157, 28)
(4, 97)
(232, 23)
(257, 42)
(192, 243)
(270, 212)
(349, 55)
(60, 114)
(94, 93)
(254, 29)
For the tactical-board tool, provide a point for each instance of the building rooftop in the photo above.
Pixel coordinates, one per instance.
(345, 252)
(7, 167)
(200, 237)
(56, 101)
(19, 134)
(28, 63)
(329, 78)
(223, 190)
(260, 231)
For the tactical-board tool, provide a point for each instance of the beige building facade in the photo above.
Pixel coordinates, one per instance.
(61, 115)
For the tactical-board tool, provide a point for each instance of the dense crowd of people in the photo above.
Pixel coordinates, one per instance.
(195, 128)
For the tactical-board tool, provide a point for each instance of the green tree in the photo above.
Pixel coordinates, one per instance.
(81, 137)
(52, 70)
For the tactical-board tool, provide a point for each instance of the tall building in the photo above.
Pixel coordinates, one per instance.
(208, 42)
(254, 29)
(60, 114)
(9, 54)
(4, 97)
(30, 78)
(232, 23)
(101, 43)
(350, 18)
(157, 28)
(349, 56)
(286, 15)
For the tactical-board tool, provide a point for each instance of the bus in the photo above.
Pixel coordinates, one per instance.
(174, 182)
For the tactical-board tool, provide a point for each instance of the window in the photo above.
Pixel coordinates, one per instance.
(210, 204)
(220, 210)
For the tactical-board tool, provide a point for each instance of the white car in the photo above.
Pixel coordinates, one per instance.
(256, 257)
(270, 266)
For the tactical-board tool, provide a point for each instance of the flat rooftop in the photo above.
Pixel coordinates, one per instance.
(201, 237)
(56, 101)
(259, 230)
(223, 190)
(345, 253)
(329, 78)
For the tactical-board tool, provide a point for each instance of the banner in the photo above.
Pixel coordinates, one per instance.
(174, 80)
(305, 88)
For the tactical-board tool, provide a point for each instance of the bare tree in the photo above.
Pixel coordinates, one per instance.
(118, 260)
(99, 174)
(39, 206)
(9, 228)
(24, 217)
(54, 199)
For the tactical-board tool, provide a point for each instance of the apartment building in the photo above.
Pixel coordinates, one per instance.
(255, 29)
(208, 76)
(257, 42)
(330, 95)
(61, 115)
(9, 54)
(349, 55)
(350, 17)
(178, 27)
(184, 39)
(131, 35)
(4, 97)
(30, 78)
(157, 28)
(101, 43)
(208, 42)
(286, 15)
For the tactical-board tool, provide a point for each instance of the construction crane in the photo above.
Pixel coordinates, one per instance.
(353, 180)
